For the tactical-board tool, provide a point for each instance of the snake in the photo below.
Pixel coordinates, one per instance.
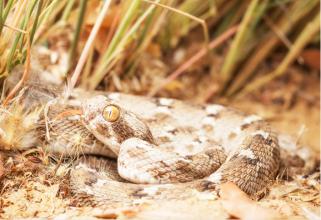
(134, 148)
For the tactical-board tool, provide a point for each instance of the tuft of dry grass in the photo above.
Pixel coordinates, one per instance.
(131, 29)
(17, 127)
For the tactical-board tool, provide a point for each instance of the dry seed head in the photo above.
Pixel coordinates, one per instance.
(18, 127)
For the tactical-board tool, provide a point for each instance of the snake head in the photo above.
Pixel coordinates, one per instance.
(112, 124)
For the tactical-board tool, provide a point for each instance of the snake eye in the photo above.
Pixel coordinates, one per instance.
(111, 113)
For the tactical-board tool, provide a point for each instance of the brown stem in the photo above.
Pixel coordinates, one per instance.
(180, 70)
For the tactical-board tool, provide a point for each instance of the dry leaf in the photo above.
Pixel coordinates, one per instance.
(174, 85)
(104, 36)
(312, 58)
(154, 50)
(238, 204)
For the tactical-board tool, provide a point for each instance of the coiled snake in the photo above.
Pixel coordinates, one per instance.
(165, 148)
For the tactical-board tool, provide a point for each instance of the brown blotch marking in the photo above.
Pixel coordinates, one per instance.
(91, 117)
(122, 130)
(139, 193)
(158, 103)
(215, 116)
(245, 126)
(208, 128)
(269, 140)
(160, 174)
(185, 172)
(190, 147)
(173, 131)
(169, 148)
(206, 185)
(90, 180)
(151, 120)
(276, 152)
(259, 137)
(251, 161)
(148, 137)
(164, 139)
(103, 130)
(162, 117)
(216, 153)
(83, 199)
(132, 152)
(164, 164)
(232, 135)
(235, 157)
(89, 138)
(197, 140)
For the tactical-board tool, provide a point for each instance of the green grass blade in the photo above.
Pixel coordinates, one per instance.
(35, 24)
(233, 55)
(7, 9)
(1, 12)
(67, 10)
(80, 21)
(106, 58)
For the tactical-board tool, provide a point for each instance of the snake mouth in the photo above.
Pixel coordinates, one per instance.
(67, 113)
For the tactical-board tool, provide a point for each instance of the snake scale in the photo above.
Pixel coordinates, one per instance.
(142, 148)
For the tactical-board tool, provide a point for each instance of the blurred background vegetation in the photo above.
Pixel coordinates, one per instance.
(176, 48)
(260, 56)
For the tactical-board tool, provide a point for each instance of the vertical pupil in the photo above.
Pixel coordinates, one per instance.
(111, 113)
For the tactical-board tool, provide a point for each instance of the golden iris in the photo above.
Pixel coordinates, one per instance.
(111, 113)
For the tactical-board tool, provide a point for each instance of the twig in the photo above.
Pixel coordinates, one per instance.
(297, 11)
(15, 29)
(306, 35)
(281, 36)
(180, 70)
(58, 164)
(46, 111)
(86, 49)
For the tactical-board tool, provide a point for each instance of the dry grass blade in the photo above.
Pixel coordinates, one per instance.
(79, 24)
(180, 70)
(233, 56)
(114, 50)
(89, 43)
(281, 35)
(15, 29)
(24, 75)
(297, 11)
(306, 35)
(107, 58)
(201, 21)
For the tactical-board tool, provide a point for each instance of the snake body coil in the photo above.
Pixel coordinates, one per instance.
(157, 148)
